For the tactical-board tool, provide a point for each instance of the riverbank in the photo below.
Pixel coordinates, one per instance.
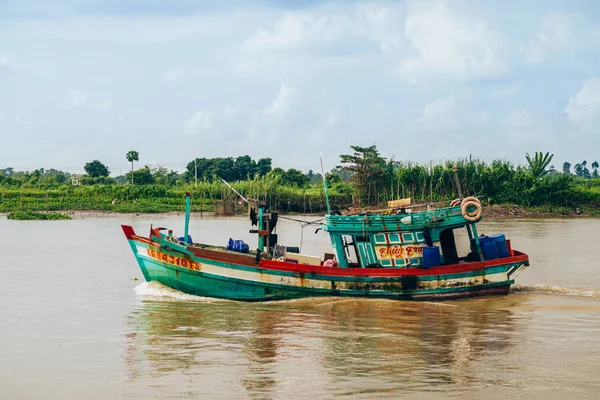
(507, 211)
(493, 212)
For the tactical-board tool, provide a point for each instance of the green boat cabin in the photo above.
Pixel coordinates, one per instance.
(399, 240)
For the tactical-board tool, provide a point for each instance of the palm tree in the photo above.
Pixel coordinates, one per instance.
(586, 172)
(566, 167)
(595, 167)
(132, 156)
(538, 163)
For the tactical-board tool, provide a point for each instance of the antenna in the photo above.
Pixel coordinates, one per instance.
(325, 186)
(236, 192)
(460, 195)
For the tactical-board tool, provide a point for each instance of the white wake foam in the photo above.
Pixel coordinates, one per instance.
(556, 290)
(159, 291)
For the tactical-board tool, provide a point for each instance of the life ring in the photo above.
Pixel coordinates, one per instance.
(454, 202)
(474, 215)
(470, 198)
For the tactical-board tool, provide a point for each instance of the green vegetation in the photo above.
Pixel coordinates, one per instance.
(96, 169)
(162, 198)
(364, 178)
(34, 215)
(132, 156)
(538, 164)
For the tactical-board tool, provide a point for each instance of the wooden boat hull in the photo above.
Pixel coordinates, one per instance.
(234, 276)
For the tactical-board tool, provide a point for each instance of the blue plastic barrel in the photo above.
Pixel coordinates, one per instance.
(431, 256)
(482, 240)
(488, 248)
(501, 245)
(189, 241)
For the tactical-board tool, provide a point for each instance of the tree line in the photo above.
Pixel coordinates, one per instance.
(198, 170)
(363, 176)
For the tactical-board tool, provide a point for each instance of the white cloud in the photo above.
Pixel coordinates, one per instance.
(280, 107)
(384, 23)
(135, 28)
(24, 119)
(584, 108)
(4, 63)
(482, 119)
(290, 42)
(296, 30)
(380, 22)
(325, 126)
(554, 32)
(77, 98)
(270, 121)
(518, 118)
(210, 124)
(173, 74)
(322, 37)
(504, 91)
(450, 46)
(104, 105)
(439, 115)
(331, 121)
(521, 127)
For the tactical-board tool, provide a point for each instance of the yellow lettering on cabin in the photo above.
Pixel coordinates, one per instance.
(395, 252)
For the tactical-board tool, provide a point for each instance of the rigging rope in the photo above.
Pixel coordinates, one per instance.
(306, 223)
(303, 224)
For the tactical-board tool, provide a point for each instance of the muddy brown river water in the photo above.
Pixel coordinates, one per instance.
(75, 324)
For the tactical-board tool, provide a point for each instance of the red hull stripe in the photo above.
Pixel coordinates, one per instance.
(442, 270)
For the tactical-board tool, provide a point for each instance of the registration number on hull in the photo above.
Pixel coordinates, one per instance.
(173, 260)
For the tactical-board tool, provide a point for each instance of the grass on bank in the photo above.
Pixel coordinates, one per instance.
(34, 215)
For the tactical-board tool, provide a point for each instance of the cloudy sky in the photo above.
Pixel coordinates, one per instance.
(425, 80)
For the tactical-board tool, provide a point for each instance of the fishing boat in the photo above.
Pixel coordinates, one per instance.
(399, 253)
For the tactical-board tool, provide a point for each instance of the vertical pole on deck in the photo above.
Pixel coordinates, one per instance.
(477, 244)
(187, 217)
(268, 236)
(260, 228)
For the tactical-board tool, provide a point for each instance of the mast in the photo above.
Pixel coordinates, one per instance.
(187, 217)
(325, 187)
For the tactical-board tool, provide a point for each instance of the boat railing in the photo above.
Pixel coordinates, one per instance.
(429, 206)
(450, 216)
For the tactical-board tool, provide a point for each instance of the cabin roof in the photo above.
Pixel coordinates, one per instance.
(442, 218)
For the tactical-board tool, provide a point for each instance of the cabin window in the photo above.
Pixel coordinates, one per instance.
(380, 238)
(408, 237)
(448, 246)
(350, 250)
(455, 246)
(420, 237)
(394, 237)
